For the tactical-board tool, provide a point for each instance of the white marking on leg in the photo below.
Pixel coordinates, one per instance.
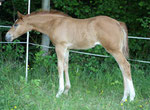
(61, 85)
(60, 51)
(126, 88)
(131, 89)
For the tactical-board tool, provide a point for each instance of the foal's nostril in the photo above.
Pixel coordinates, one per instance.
(8, 37)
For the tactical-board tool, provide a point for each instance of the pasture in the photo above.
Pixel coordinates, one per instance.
(97, 86)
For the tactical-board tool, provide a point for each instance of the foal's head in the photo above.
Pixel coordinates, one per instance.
(20, 27)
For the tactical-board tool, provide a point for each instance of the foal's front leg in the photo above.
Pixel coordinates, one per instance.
(67, 85)
(60, 51)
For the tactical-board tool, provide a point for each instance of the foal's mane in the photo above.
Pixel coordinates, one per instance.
(55, 12)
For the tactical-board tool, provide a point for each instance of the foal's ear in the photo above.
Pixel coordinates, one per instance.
(20, 16)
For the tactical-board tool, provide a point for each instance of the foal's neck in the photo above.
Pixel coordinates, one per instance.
(42, 23)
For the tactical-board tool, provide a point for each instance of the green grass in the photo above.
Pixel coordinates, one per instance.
(100, 91)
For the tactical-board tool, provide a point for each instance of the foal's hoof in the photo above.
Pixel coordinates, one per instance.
(59, 93)
(66, 92)
(131, 99)
(132, 96)
(123, 101)
(57, 96)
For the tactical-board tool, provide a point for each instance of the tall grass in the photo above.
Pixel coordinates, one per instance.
(95, 85)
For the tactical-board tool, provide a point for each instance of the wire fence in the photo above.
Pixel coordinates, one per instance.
(79, 52)
(74, 51)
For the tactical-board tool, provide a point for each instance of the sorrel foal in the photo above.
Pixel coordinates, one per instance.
(69, 33)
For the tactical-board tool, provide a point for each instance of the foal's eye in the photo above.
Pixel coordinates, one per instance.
(15, 25)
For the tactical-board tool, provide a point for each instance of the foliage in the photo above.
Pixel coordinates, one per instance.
(45, 62)
(12, 52)
(134, 12)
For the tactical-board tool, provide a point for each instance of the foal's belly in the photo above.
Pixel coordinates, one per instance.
(83, 45)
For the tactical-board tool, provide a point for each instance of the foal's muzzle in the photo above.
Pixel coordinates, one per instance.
(8, 37)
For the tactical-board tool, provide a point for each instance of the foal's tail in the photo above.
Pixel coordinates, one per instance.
(125, 48)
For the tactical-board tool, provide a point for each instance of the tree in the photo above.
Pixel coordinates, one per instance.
(45, 38)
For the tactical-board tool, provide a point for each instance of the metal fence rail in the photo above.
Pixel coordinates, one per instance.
(144, 38)
(85, 53)
(1, 26)
(74, 51)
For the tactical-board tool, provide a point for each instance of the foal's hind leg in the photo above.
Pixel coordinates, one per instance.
(125, 68)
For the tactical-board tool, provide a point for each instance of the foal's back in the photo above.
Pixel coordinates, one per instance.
(86, 33)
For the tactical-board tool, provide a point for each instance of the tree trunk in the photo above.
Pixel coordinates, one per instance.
(45, 38)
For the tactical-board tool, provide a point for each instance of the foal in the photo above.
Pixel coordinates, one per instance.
(69, 33)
